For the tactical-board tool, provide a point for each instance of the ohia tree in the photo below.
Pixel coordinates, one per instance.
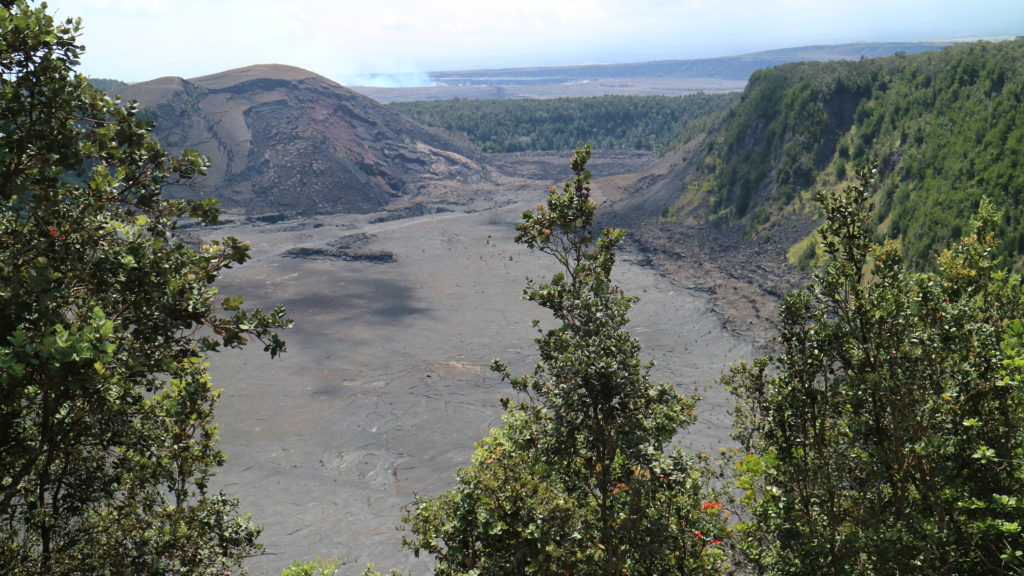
(578, 480)
(107, 441)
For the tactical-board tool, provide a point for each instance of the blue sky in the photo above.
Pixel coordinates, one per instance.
(349, 40)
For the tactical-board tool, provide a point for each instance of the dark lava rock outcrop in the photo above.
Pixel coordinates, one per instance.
(349, 248)
(283, 139)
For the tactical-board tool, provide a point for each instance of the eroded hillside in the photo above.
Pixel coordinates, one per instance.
(282, 139)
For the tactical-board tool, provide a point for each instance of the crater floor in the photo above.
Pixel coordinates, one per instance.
(385, 387)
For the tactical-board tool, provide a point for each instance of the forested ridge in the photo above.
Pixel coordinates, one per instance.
(947, 128)
(621, 122)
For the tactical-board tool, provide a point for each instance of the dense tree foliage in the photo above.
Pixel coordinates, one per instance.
(578, 481)
(329, 567)
(107, 441)
(946, 126)
(887, 436)
(784, 130)
(106, 84)
(652, 123)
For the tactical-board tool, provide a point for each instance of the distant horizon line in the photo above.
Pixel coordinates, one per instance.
(432, 73)
(416, 79)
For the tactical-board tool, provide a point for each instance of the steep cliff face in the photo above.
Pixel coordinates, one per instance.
(282, 139)
(946, 128)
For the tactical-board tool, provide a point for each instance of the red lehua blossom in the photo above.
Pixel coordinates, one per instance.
(710, 506)
(716, 542)
(53, 230)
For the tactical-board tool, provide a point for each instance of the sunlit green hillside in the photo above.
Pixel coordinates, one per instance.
(947, 128)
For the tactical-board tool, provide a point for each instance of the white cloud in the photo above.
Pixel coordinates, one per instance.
(140, 40)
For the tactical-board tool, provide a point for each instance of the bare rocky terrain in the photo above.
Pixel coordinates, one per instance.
(283, 139)
(392, 247)
(385, 387)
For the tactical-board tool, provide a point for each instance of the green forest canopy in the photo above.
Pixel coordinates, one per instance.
(947, 128)
(652, 123)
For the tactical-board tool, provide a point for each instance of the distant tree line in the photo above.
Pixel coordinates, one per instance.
(106, 84)
(653, 123)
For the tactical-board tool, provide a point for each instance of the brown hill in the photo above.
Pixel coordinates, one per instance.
(282, 139)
